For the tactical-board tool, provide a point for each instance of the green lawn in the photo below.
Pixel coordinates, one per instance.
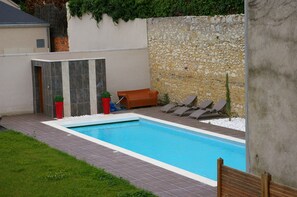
(31, 168)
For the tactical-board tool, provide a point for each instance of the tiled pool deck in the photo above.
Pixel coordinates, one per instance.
(144, 175)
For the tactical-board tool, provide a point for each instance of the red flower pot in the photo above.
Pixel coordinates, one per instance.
(106, 105)
(59, 109)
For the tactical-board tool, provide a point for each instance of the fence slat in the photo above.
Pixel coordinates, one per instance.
(265, 180)
(278, 190)
(232, 182)
(220, 163)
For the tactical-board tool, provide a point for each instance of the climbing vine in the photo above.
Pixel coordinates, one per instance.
(131, 9)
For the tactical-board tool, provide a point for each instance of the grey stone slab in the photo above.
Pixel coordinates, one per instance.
(80, 109)
(74, 109)
(86, 94)
(54, 68)
(85, 82)
(72, 68)
(85, 67)
(73, 97)
(87, 108)
(100, 81)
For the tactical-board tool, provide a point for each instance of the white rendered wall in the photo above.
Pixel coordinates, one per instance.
(125, 69)
(22, 39)
(86, 35)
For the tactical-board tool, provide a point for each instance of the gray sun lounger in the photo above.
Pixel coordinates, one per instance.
(180, 111)
(172, 106)
(215, 111)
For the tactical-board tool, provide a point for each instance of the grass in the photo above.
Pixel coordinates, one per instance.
(31, 168)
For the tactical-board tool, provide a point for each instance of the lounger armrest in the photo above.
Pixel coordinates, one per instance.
(213, 110)
(208, 110)
(196, 107)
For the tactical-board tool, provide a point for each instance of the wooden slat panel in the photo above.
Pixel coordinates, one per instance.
(277, 190)
(247, 179)
(244, 186)
(245, 182)
(253, 190)
(234, 183)
(240, 173)
(220, 163)
(232, 175)
(232, 191)
(265, 181)
(237, 183)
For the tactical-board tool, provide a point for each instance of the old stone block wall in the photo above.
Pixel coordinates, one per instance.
(61, 44)
(192, 54)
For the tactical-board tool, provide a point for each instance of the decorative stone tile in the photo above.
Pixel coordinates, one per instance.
(100, 81)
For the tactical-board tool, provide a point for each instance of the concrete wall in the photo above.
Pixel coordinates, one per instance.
(272, 89)
(191, 55)
(86, 35)
(22, 39)
(125, 69)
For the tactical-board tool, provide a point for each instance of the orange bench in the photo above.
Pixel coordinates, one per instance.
(138, 98)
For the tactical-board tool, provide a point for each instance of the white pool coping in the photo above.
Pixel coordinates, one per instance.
(61, 124)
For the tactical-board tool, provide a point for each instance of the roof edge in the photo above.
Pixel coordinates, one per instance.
(24, 25)
(11, 3)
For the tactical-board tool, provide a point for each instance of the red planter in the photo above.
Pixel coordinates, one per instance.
(106, 105)
(59, 109)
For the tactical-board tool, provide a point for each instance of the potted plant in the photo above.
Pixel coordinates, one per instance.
(105, 96)
(59, 106)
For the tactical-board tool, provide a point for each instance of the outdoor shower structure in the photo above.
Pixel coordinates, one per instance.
(79, 81)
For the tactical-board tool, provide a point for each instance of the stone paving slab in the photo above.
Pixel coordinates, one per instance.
(142, 174)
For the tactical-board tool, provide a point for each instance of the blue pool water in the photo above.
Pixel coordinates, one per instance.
(191, 151)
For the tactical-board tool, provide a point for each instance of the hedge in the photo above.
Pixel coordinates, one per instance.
(131, 9)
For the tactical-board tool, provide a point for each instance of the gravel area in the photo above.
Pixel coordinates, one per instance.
(235, 123)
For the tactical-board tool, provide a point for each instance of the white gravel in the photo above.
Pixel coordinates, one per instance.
(235, 123)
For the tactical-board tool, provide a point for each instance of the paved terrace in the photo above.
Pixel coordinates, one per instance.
(144, 175)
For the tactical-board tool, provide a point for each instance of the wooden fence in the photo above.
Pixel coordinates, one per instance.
(232, 182)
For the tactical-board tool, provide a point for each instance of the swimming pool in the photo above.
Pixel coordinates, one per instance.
(185, 150)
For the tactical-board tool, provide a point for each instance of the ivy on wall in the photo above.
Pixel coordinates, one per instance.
(131, 9)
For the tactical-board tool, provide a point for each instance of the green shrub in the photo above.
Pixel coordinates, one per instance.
(228, 99)
(58, 98)
(131, 9)
(105, 94)
(164, 100)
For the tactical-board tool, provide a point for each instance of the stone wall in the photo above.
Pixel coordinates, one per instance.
(191, 55)
(61, 44)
